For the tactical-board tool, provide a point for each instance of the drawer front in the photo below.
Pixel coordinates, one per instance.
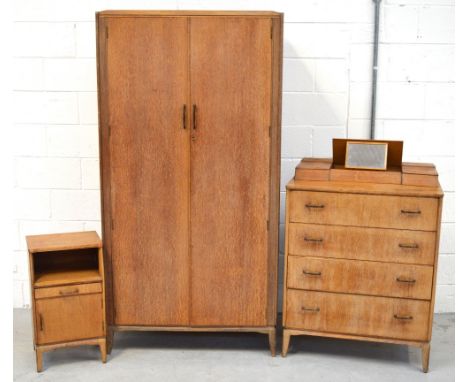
(378, 244)
(364, 210)
(69, 290)
(360, 277)
(358, 315)
(69, 318)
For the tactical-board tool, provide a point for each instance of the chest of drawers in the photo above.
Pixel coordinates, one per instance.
(361, 261)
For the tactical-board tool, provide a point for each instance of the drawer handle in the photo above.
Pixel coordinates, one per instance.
(312, 240)
(68, 293)
(403, 280)
(411, 212)
(310, 273)
(410, 246)
(311, 310)
(41, 322)
(398, 317)
(310, 205)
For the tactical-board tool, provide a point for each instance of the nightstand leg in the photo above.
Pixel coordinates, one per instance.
(272, 341)
(286, 338)
(103, 350)
(425, 351)
(38, 359)
(109, 340)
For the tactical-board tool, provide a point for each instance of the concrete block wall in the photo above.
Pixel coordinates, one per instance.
(326, 94)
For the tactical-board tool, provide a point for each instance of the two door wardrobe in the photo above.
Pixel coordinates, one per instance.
(189, 125)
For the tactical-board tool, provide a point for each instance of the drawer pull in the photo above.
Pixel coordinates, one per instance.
(398, 317)
(41, 322)
(311, 310)
(312, 240)
(310, 273)
(310, 205)
(410, 246)
(69, 293)
(411, 212)
(403, 280)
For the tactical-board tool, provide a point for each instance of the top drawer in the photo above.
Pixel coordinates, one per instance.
(401, 212)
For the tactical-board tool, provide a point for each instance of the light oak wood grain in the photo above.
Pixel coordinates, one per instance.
(68, 290)
(398, 246)
(149, 164)
(63, 241)
(358, 254)
(359, 315)
(222, 270)
(229, 232)
(364, 210)
(360, 277)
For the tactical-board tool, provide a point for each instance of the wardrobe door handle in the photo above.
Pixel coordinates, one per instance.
(41, 322)
(184, 117)
(194, 116)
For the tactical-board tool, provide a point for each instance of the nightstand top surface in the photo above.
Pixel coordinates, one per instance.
(63, 241)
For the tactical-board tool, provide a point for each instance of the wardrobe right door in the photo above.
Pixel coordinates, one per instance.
(230, 80)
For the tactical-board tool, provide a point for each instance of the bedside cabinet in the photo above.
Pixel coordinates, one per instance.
(67, 292)
(361, 258)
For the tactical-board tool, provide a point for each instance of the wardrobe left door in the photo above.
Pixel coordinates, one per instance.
(145, 178)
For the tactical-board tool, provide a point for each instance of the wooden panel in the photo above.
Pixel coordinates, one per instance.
(69, 318)
(389, 176)
(377, 244)
(365, 188)
(230, 166)
(147, 77)
(63, 241)
(360, 277)
(359, 315)
(64, 277)
(68, 290)
(364, 210)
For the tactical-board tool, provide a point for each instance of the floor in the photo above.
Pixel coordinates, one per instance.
(149, 356)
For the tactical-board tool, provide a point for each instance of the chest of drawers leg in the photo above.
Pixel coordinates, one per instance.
(361, 265)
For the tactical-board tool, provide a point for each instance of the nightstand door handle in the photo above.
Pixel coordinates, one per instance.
(411, 212)
(68, 293)
(398, 317)
(41, 322)
(403, 280)
(310, 273)
(313, 240)
(310, 205)
(311, 310)
(409, 246)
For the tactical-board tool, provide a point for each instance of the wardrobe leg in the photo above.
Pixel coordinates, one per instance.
(272, 341)
(109, 340)
(425, 351)
(286, 338)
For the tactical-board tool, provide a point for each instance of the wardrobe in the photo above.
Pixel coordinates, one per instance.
(189, 125)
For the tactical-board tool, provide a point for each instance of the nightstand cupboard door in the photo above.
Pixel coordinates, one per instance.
(69, 318)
